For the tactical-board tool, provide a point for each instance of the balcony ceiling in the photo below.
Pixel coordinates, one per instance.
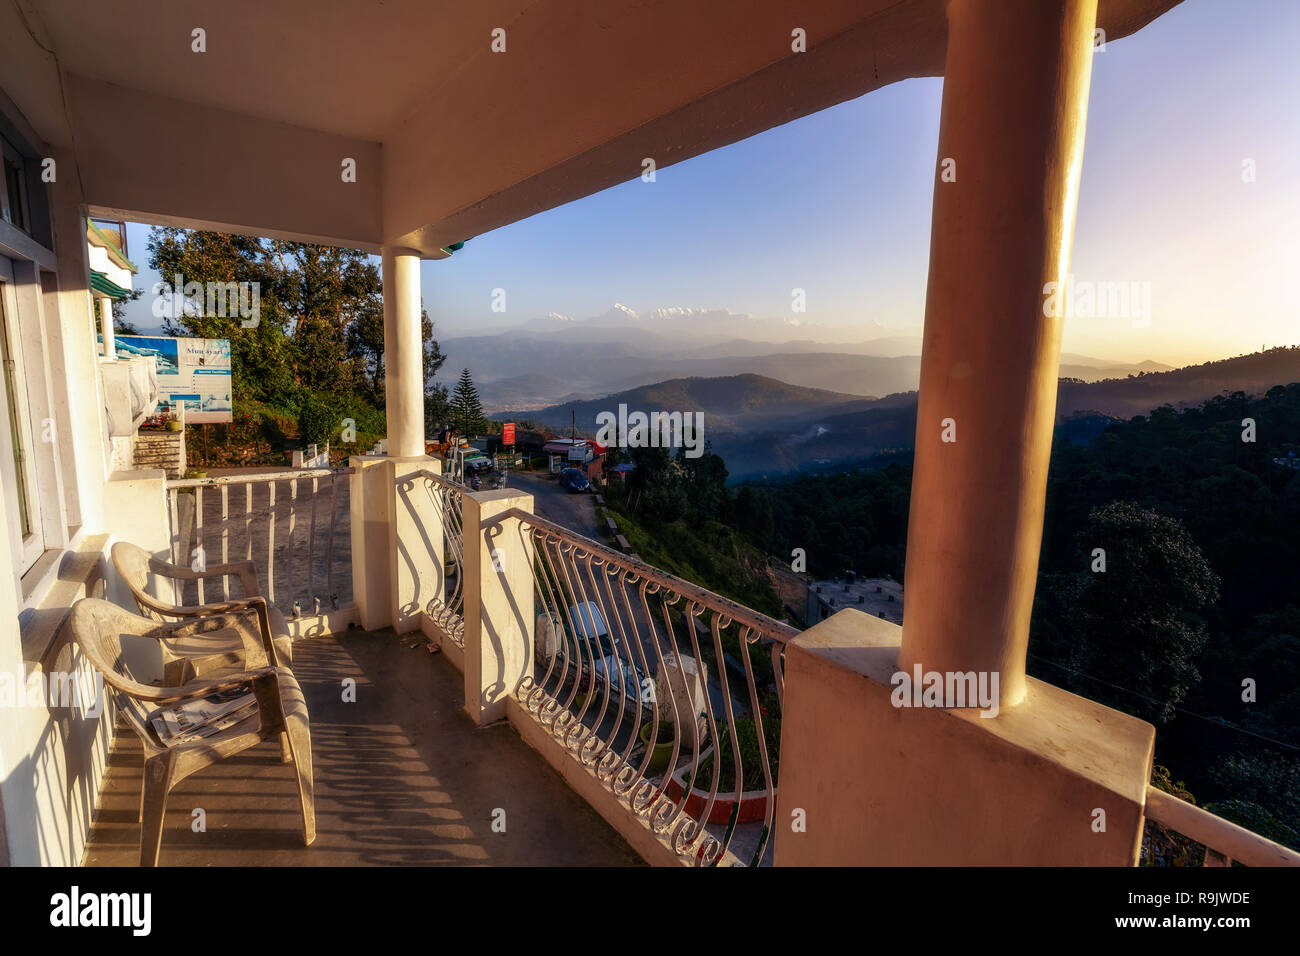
(470, 139)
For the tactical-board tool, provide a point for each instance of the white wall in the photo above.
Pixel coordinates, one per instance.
(52, 760)
(100, 261)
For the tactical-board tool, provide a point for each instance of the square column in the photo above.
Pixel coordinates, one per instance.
(499, 601)
(371, 501)
(416, 570)
(1057, 780)
(397, 541)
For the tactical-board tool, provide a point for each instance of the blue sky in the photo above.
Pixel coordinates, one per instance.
(838, 204)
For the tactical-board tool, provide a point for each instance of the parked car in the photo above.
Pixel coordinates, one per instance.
(588, 637)
(574, 481)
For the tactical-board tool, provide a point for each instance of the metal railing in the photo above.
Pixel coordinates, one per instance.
(649, 681)
(294, 526)
(1224, 841)
(446, 612)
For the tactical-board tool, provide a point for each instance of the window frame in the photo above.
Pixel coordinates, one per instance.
(20, 218)
(26, 547)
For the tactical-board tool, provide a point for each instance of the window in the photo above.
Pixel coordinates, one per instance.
(13, 201)
(16, 465)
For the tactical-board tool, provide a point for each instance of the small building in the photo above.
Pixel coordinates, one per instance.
(584, 454)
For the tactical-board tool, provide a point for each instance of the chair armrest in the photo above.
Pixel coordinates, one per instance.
(256, 603)
(246, 571)
(181, 573)
(202, 688)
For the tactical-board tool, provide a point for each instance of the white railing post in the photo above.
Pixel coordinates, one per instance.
(370, 504)
(499, 609)
(416, 572)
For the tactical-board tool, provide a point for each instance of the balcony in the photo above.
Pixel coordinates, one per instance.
(536, 667)
(557, 654)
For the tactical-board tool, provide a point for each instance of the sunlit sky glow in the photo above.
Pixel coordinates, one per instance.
(838, 204)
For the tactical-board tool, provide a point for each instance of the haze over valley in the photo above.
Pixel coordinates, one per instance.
(768, 427)
(557, 359)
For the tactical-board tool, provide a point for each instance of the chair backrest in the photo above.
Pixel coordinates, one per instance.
(97, 627)
(134, 565)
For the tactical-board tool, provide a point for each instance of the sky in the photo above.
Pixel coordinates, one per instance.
(838, 204)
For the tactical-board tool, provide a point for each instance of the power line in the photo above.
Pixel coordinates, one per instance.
(1217, 721)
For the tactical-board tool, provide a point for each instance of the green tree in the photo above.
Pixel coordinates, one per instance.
(316, 420)
(437, 400)
(365, 346)
(120, 325)
(1266, 794)
(261, 356)
(466, 409)
(754, 516)
(705, 480)
(320, 328)
(1136, 625)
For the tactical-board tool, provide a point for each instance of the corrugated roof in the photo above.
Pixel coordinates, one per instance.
(105, 286)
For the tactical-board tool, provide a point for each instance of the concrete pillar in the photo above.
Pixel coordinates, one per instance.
(403, 353)
(1015, 101)
(371, 506)
(397, 541)
(106, 327)
(416, 573)
(499, 611)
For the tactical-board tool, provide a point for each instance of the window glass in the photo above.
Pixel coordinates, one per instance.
(17, 467)
(13, 201)
(11, 404)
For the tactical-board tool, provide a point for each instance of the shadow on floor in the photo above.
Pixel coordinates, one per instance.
(402, 778)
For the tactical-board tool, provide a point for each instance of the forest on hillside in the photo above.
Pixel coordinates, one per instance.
(1194, 624)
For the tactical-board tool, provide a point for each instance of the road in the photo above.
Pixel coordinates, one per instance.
(577, 512)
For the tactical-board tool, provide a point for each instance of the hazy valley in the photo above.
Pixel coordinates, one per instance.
(765, 426)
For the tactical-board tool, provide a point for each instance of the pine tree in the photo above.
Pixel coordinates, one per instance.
(466, 409)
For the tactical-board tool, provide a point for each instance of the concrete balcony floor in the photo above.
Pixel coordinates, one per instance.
(402, 778)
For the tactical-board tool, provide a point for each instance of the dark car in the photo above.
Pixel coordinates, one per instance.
(574, 481)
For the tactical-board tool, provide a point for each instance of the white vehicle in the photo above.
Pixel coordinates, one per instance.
(589, 638)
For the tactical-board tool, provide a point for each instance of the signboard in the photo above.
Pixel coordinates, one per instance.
(508, 434)
(193, 371)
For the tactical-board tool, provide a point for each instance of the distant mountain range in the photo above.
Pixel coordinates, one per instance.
(732, 404)
(557, 359)
(763, 425)
(697, 325)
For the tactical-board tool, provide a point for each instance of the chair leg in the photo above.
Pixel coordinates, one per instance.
(153, 806)
(299, 740)
(286, 752)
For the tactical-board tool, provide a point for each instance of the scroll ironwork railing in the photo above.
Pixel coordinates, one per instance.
(652, 683)
(1224, 841)
(294, 525)
(446, 611)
